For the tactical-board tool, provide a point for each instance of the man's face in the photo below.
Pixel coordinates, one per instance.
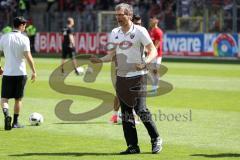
(153, 21)
(122, 18)
(70, 22)
(23, 27)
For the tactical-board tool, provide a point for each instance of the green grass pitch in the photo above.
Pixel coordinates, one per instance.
(211, 92)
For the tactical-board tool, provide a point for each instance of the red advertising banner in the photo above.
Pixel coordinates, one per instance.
(210, 45)
(102, 42)
(81, 45)
(93, 43)
(53, 43)
(43, 42)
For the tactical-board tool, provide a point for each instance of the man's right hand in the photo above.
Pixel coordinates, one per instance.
(94, 59)
(34, 76)
(141, 66)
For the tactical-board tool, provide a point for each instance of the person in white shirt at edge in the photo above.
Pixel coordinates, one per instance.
(15, 46)
(129, 41)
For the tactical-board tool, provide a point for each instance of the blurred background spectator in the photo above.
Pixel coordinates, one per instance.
(174, 15)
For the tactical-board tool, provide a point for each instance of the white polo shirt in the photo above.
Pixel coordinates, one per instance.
(130, 49)
(13, 45)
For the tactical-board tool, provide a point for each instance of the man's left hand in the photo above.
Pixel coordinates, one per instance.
(1, 71)
(140, 66)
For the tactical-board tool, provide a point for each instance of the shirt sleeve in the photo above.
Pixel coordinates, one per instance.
(145, 37)
(110, 44)
(26, 47)
(111, 37)
(158, 35)
(70, 31)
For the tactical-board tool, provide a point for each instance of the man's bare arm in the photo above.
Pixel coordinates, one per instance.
(152, 52)
(72, 41)
(150, 48)
(31, 64)
(106, 58)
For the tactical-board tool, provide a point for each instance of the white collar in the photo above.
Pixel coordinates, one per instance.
(129, 31)
(15, 30)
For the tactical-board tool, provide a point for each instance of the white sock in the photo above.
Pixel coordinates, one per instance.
(115, 112)
(5, 105)
(5, 109)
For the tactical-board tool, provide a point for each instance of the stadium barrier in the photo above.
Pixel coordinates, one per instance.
(210, 45)
(183, 45)
(51, 43)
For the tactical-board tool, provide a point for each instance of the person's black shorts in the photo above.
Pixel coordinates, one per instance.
(13, 86)
(68, 52)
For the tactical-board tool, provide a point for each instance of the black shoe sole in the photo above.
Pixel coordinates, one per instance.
(126, 153)
(8, 121)
(137, 151)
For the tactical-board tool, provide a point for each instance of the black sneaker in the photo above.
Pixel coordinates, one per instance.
(7, 124)
(156, 145)
(131, 150)
(17, 125)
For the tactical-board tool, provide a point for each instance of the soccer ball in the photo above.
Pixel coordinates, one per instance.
(36, 119)
(81, 71)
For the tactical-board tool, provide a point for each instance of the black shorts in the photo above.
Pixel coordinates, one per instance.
(68, 52)
(13, 86)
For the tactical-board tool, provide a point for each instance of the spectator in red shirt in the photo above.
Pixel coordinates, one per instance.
(156, 35)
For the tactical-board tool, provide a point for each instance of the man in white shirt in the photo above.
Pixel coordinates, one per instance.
(129, 41)
(116, 117)
(15, 47)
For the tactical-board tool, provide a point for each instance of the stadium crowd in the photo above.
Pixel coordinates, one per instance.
(166, 10)
(11, 8)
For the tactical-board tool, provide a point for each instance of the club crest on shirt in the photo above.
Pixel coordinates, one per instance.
(125, 45)
(116, 37)
(132, 35)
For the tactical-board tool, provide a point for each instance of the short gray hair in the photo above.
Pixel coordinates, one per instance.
(128, 9)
